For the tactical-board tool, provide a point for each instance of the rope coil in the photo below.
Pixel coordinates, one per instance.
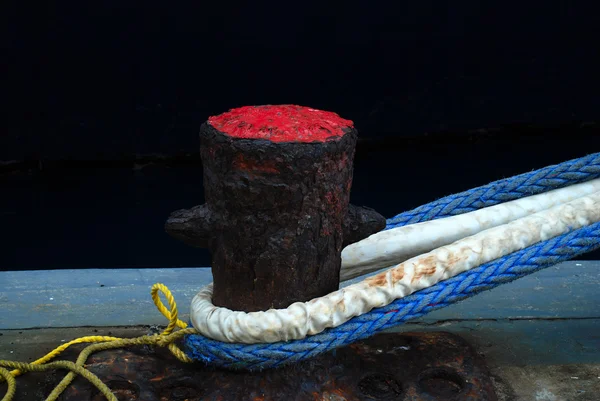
(445, 293)
(464, 285)
(496, 239)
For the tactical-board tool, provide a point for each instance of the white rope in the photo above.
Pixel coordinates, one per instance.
(396, 245)
(308, 318)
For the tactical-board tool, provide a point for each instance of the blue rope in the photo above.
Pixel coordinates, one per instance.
(532, 183)
(464, 285)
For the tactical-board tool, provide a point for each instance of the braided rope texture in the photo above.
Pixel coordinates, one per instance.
(465, 285)
(508, 189)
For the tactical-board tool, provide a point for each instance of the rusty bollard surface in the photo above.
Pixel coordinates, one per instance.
(277, 184)
(434, 366)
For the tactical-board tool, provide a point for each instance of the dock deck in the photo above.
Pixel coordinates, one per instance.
(540, 335)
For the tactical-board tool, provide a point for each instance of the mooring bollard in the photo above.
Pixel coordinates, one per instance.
(277, 184)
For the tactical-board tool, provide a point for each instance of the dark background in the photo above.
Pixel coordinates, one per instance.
(103, 102)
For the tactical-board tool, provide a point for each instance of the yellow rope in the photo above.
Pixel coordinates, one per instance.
(100, 343)
(12, 384)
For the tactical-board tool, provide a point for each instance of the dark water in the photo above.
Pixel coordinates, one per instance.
(111, 215)
(105, 82)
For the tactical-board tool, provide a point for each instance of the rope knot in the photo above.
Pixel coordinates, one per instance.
(164, 340)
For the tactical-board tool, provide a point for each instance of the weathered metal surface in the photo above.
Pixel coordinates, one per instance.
(408, 367)
(276, 211)
(277, 185)
(193, 226)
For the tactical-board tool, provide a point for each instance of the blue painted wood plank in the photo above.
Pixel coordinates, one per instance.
(121, 297)
(95, 297)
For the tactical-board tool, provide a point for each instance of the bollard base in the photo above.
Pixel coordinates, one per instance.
(407, 366)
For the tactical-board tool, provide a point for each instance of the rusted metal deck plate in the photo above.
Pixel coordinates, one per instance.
(409, 366)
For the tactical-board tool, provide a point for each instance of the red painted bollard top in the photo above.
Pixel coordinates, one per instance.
(281, 123)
